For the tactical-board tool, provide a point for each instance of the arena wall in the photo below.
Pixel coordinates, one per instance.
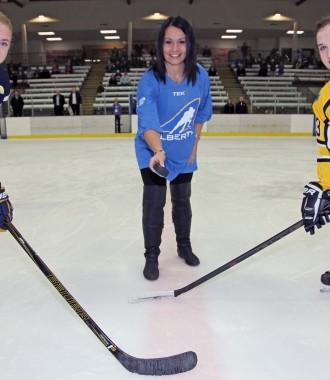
(103, 125)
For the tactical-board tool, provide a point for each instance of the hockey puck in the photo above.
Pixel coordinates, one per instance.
(161, 170)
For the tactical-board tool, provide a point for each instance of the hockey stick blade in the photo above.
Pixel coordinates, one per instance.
(170, 365)
(175, 293)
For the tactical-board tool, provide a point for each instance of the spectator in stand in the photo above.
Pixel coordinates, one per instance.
(58, 101)
(212, 71)
(152, 52)
(125, 80)
(110, 67)
(100, 89)
(141, 62)
(263, 68)
(118, 76)
(272, 67)
(75, 101)
(238, 61)
(68, 67)
(241, 72)
(112, 80)
(36, 73)
(280, 68)
(17, 104)
(138, 49)
(45, 73)
(206, 51)
(152, 62)
(114, 55)
(29, 73)
(14, 78)
(241, 106)
(56, 69)
(229, 107)
(117, 111)
(258, 59)
(117, 66)
(249, 61)
(244, 51)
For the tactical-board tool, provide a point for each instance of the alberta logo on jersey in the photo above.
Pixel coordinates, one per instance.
(180, 127)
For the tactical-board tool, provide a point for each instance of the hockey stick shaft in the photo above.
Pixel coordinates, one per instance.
(240, 258)
(155, 366)
(223, 268)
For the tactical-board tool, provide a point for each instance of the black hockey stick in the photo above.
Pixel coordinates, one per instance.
(230, 264)
(158, 366)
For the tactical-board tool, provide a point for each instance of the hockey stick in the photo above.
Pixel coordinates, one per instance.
(230, 264)
(158, 366)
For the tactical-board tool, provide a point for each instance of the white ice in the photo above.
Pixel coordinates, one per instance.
(78, 204)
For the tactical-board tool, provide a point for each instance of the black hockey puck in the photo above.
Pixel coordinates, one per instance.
(161, 170)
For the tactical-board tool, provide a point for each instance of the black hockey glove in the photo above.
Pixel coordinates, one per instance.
(6, 209)
(315, 208)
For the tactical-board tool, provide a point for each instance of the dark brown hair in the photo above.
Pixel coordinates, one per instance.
(190, 68)
(321, 24)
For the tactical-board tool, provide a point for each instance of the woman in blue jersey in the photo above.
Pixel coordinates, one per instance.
(315, 206)
(173, 103)
(6, 32)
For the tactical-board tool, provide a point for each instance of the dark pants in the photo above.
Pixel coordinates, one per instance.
(17, 112)
(117, 123)
(150, 178)
(75, 109)
(58, 110)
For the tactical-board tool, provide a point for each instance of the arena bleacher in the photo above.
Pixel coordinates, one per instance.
(276, 93)
(38, 92)
(104, 102)
(281, 93)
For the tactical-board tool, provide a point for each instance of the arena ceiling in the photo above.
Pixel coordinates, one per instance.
(82, 20)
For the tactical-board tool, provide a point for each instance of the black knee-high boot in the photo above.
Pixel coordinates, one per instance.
(181, 215)
(154, 198)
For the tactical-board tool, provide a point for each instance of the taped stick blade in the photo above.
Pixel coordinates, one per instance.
(144, 296)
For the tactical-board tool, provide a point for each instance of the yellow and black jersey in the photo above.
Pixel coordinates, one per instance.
(321, 108)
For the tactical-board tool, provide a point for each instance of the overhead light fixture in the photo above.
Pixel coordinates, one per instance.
(46, 33)
(42, 18)
(228, 37)
(234, 30)
(278, 17)
(54, 38)
(110, 31)
(111, 37)
(292, 32)
(156, 16)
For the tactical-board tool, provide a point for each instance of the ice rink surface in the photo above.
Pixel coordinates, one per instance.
(78, 203)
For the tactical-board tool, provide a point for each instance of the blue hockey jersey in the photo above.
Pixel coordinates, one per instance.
(172, 109)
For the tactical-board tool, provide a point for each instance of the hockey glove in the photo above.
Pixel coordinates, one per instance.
(315, 208)
(6, 209)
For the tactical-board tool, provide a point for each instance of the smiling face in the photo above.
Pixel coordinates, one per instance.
(323, 44)
(174, 46)
(5, 40)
